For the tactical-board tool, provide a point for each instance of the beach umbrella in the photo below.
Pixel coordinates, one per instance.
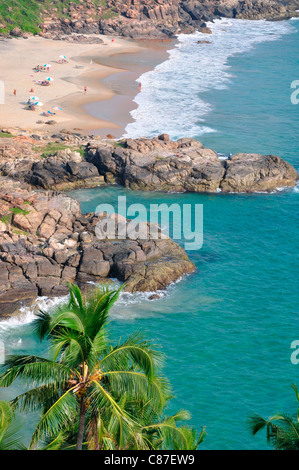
(38, 103)
(62, 57)
(34, 98)
(50, 79)
(56, 108)
(47, 65)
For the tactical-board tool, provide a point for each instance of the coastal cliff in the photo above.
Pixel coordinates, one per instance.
(137, 19)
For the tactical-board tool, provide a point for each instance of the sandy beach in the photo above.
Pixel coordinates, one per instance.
(108, 70)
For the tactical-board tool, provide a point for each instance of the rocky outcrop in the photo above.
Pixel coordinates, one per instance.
(185, 165)
(46, 242)
(254, 172)
(65, 169)
(143, 18)
(164, 18)
(157, 164)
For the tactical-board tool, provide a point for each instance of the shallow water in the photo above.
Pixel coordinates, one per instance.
(226, 330)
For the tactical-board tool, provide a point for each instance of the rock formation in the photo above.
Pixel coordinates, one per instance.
(46, 242)
(164, 165)
(145, 18)
(158, 164)
(164, 18)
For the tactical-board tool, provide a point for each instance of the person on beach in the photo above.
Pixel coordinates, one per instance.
(15, 92)
(85, 90)
(140, 86)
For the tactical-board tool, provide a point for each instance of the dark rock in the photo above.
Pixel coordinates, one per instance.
(185, 165)
(17, 33)
(55, 244)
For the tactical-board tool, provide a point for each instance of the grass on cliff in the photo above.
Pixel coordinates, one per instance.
(24, 14)
(5, 135)
(52, 148)
(28, 15)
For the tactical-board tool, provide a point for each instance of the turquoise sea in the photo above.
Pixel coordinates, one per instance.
(227, 329)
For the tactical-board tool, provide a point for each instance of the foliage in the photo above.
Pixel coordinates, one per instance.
(9, 430)
(92, 394)
(282, 430)
(52, 148)
(28, 14)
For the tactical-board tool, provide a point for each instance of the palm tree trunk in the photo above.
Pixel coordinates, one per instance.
(80, 436)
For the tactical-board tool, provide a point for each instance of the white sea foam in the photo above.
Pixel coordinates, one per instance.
(123, 309)
(296, 188)
(172, 100)
(27, 314)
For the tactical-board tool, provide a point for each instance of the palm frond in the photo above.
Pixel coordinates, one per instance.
(10, 438)
(33, 370)
(76, 297)
(56, 418)
(36, 398)
(135, 350)
(120, 423)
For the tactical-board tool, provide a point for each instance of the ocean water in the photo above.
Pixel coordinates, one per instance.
(226, 330)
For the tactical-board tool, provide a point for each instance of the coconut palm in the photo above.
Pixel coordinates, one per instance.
(152, 430)
(88, 388)
(282, 430)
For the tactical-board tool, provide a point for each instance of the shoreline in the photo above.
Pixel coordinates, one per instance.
(123, 85)
(109, 70)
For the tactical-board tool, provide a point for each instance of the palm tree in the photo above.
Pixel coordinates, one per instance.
(282, 430)
(9, 430)
(88, 388)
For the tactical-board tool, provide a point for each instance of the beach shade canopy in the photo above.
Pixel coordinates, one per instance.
(47, 65)
(50, 79)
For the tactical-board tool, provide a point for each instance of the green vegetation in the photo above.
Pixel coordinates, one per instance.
(9, 431)
(18, 210)
(7, 219)
(92, 394)
(52, 148)
(24, 14)
(120, 143)
(20, 232)
(5, 135)
(282, 430)
(28, 15)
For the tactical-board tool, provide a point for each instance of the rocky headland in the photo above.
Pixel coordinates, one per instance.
(45, 240)
(166, 18)
(138, 19)
(157, 164)
(161, 164)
